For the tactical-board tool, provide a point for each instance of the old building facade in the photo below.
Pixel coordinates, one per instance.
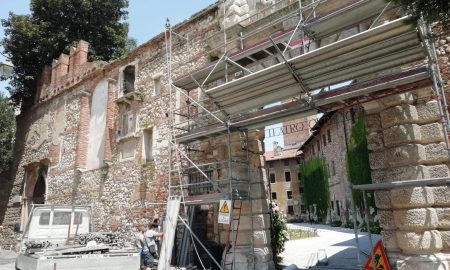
(329, 140)
(100, 133)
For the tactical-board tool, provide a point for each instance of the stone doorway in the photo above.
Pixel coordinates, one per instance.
(35, 188)
(39, 191)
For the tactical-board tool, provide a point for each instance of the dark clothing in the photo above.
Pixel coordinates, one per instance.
(148, 259)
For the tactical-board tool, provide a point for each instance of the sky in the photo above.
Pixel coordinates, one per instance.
(146, 19)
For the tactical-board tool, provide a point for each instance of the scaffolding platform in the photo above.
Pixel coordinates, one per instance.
(381, 49)
(407, 80)
(344, 17)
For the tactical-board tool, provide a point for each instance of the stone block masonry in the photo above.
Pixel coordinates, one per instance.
(406, 142)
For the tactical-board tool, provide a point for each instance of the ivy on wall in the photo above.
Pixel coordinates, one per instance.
(357, 160)
(315, 184)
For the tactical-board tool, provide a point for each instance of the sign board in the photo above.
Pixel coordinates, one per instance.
(225, 211)
(381, 262)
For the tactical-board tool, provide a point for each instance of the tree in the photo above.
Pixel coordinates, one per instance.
(33, 41)
(432, 10)
(7, 131)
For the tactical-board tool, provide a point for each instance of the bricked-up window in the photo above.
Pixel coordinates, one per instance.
(270, 164)
(128, 124)
(274, 195)
(289, 194)
(272, 177)
(324, 140)
(128, 79)
(290, 209)
(333, 168)
(287, 176)
(157, 86)
(329, 135)
(148, 144)
(286, 162)
(128, 149)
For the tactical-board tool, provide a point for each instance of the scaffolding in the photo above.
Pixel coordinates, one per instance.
(300, 60)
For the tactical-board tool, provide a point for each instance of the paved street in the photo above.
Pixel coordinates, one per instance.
(338, 243)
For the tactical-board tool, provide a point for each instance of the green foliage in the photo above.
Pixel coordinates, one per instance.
(349, 224)
(33, 41)
(432, 10)
(374, 227)
(7, 132)
(315, 181)
(336, 223)
(357, 160)
(279, 234)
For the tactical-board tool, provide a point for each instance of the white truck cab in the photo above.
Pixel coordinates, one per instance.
(48, 242)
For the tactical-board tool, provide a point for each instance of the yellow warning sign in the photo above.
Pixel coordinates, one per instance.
(224, 211)
(381, 262)
(224, 208)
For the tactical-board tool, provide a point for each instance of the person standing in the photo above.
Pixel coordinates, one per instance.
(150, 237)
(139, 243)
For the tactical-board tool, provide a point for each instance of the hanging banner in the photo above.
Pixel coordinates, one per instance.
(381, 262)
(225, 211)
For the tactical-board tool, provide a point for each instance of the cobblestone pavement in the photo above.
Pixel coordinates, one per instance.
(338, 243)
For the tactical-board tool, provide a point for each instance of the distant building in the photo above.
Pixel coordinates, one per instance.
(329, 139)
(283, 167)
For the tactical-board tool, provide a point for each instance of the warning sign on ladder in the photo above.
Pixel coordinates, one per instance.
(224, 211)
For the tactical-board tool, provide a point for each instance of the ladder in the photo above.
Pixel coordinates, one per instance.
(232, 234)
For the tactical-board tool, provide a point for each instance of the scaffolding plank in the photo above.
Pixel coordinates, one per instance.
(344, 17)
(381, 49)
(359, 92)
(186, 82)
(170, 225)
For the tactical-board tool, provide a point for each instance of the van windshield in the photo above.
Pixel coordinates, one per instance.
(60, 218)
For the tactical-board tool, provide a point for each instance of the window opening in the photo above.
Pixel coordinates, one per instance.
(289, 194)
(287, 176)
(272, 177)
(128, 79)
(290, 209)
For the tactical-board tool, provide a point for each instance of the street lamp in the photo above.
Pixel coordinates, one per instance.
(6, 70)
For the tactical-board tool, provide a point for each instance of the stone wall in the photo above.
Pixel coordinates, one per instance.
(406, 141)
(129, 186)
